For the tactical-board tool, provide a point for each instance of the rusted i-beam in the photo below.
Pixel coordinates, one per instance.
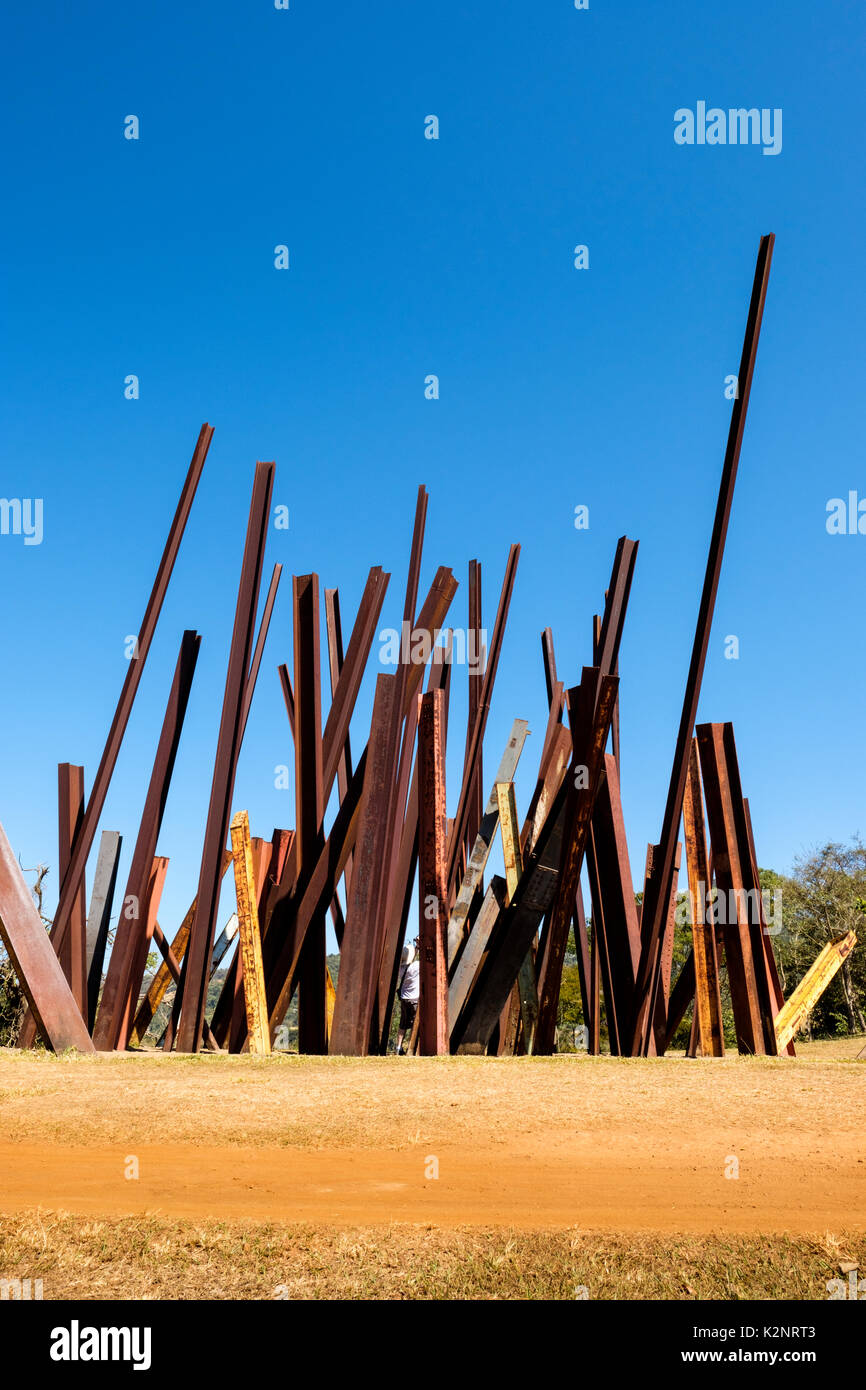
(73, 952)
(655, 910)
(131, 943)
(433, 907)
(52, 1004)
(192, 1005)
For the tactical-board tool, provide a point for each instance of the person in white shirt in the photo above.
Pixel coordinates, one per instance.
(408, 991)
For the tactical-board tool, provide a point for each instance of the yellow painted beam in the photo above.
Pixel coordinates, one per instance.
(795, 1010)
(330, 996)
(249, 939)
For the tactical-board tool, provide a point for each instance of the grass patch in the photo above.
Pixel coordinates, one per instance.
(151, 1259)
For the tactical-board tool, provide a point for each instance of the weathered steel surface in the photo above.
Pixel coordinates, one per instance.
(527, 988)
(561, 834)
(475, 666)
(777, 998)
(486, 695)
(483, 841)
(250, 945)
(162, 979)
(309, 805)
(259, 649)
(742, 931)
(360, 958)
(802, 1001)
(432, 868)
(590, 710)
(400, 892)
(708, 1001)
(470, 961)
(132, 939)
(72, 951)
(615, 890)
(191, 1018)
(52, 1003)
(334, 628)
(99, 916)
(348, 684)
(280, 972)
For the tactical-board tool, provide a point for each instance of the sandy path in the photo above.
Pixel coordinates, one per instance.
(604, 1146)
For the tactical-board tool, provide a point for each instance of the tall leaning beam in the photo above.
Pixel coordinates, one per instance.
(132, 941)
(432, 865)
(309, 807)
(40, 974)
(655, 910)
(84, 840)
(360, 958)
(708, 1001)
(191, 1020)
(474, 743)
(73, 953)
(99, 915)
(590, 711)
(742, 928)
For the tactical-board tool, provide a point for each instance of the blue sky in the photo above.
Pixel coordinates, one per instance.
(408, 257)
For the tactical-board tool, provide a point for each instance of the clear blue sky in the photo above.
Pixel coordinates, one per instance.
(409, 257)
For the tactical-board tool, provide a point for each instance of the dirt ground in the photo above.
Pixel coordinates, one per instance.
(743, 1146)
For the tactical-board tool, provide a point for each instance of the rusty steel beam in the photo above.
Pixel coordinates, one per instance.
(52, 1004)
(359, 961)
(99, 916)
(527, 989)
(475, 682)
(259, 649)
(432, 866)
(162, 978)
(132, 940)
(655, 911)
(562, 835)
(285, 935)
(495, 900)
(348, 684)
(309, 805)
(84, 841)
(463, 805)
(734, 880)
(483, 844)
(590, 710)
(616, 888)
(705, 964)
(334, 629)
(72, 952)
(194, 991)
(402, 878)
(777, 998)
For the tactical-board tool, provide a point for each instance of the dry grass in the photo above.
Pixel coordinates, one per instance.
(390, 1102)
(149, 1259)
